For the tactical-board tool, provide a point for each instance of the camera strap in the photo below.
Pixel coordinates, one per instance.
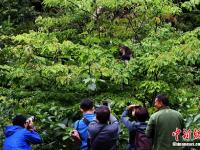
(86, 121)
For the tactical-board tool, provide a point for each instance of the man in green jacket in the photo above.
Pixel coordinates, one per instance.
(163, 123)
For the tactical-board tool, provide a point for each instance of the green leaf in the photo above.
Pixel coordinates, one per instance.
(63, 126)
(65, 137)
(197, 117)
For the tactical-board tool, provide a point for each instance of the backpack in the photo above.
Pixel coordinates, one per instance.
(75, 134)
(141, 141)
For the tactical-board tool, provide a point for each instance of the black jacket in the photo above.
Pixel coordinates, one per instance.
(107, 138)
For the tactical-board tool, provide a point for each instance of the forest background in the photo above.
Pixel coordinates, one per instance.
(53, 53)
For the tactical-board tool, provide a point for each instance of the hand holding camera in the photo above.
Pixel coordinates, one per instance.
(131, 109)
(29, 122)
(132, 106)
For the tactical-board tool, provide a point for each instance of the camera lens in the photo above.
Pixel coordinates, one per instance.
(105, 103)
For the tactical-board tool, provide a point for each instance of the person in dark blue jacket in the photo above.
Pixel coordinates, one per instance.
(140, 115)
(104, 130)
(21, 134)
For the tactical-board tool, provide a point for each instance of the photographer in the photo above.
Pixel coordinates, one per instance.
(21, 134)
(136, 128)
(80, 132)
(104, 131)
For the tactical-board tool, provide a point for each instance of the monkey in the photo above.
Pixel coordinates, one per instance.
(38, 6)
(125, 53)
(170, 19)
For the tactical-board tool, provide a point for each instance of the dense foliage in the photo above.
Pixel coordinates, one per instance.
(53, 53)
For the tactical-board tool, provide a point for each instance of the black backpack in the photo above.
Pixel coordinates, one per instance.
(141, 141)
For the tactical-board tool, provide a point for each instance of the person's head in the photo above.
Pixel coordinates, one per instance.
(141, 114)
(86, 105)
(20, 120)
(161, 100)
(103, 114)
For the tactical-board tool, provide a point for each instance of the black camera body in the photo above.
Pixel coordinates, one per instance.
(103, 103)
(129, 114)
(130, 110)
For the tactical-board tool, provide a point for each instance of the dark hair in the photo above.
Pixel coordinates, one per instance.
(86, 104)
(103, 114)
(19, 120)
(163, 98)
(141, 114)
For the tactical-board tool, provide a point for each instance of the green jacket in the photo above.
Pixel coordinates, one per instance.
(160, 127)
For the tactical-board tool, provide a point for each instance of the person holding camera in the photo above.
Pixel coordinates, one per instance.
(104, 130)
(21, 134)
(137, 127)
(80, 132)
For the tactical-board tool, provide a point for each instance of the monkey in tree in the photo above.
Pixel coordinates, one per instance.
(125, 53)
(38, 5)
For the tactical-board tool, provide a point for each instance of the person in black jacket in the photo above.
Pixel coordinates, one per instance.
(104, 131)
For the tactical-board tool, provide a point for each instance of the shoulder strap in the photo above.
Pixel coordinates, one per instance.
(86, 121)
(140, 131)
(98, 133)
(77, 125)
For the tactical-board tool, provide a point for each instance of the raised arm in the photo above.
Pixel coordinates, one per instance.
(125, 120)
(33, 137)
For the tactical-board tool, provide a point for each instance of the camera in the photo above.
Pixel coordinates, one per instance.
(104, 103)
(130, 110)
(129, 114)
(31, 119)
